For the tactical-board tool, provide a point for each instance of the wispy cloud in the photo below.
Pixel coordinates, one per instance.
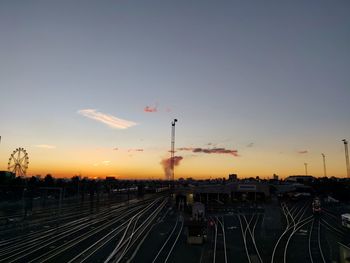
(110, 120)
(250, 145)
(216, 150)
(185, 149)
(210, 150)
(129, 150)
(150, 109)
(303, 151)
(135, 150)
(45, 146)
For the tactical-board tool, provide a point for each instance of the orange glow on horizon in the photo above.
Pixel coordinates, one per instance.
(65, 162)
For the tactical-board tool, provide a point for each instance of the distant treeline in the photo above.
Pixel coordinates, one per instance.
(15, 188)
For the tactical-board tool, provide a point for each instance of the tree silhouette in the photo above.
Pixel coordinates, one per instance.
(48, 180)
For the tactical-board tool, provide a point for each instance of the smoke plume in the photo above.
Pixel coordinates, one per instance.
(166, 163)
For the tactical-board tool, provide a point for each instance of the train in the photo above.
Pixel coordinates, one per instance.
(316, 205)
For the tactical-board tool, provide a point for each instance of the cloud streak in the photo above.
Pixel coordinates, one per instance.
(185, 149)
(109, 120)
(135, 150)
(45, 146)
(250, 145)
(210, 150)
(129, 150)
(303, 151)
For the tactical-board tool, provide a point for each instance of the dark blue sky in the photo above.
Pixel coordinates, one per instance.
(275, 73)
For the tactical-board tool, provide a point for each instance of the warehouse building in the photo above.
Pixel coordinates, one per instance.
(253, 191)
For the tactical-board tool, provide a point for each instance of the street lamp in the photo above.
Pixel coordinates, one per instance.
(324, 164)
(347, 157)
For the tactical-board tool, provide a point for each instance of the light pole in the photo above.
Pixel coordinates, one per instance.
(347, 157)
(324, 164)
(305, 164)
(172, 161)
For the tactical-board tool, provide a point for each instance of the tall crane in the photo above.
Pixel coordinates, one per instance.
(172, 151)
(347, 157)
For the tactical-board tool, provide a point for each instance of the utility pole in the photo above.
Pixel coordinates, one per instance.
(324, 164)
(172, 160)
(305, 168)
(347, 157)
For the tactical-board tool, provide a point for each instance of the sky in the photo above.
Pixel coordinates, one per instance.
(258, 87)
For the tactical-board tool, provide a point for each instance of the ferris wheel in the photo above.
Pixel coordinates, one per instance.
(18, 162)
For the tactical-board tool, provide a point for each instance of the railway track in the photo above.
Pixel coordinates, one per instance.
(30, 230)
(27, 238)
(76, 241)
(295, 220)
(51, 219)
(333, 223)
(315, 247)
(331, 229)
(248, 225)
(169, 244)
(113, 239)
(122, 252)
(219, 250)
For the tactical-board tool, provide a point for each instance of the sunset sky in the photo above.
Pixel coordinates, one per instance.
(258, 87)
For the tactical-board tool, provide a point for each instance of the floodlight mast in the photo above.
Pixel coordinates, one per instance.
(305, 169)
(172, 151)
(346, 157)
(324, 164)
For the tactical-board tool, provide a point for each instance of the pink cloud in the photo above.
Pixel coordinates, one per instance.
(210, 150)
(185, 149)
(150, 109)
